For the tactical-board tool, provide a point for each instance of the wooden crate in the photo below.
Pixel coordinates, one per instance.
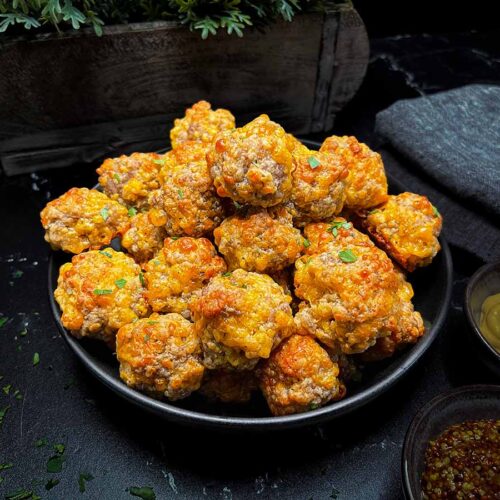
(78, 97)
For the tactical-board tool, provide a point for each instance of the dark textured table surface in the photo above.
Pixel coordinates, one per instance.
(356, 457)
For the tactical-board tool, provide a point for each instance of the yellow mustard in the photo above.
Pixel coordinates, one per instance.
(490, 320)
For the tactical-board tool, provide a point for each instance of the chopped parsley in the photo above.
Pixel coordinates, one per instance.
(313, 406)
(105, 213)
(141, 279)
(17, 394)
(6, 466)
(336, 225)
(180, 192)
(17, 274)
(347, 256)
(226, 275)
(41, 442)
(117, 178)
(6, 388)
(3, 412)
(132, 211)
(237, 205)
(55, 464)
(102, 291)
(51, 483)
(306, 243)
(152, 322)
(146, 492)
(435, 211)
(23, 332)
(3, 320)
(36, 359)
(107, 254)
(121, 282)
(375, 211)
(313, 162)
(59, 448)
(85, 476)
(174, 238)
(159, 161)
(21, 495)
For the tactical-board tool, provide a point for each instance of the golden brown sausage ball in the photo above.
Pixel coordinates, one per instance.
(259, 240)
(160, 355)
(182, 267)
(229, 386)
(406, 227)
(200, 124)
(143, 240)
(186, 203)
(98, 292)
(130, 179)
(319, 184)
(240, 317)
(350, 288)
(366, 181)
(81, 219)
(299, 376)
(253, 164)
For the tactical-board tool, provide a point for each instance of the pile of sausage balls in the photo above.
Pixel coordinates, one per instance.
(249, 262)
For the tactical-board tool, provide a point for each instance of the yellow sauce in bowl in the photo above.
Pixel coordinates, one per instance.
(490, 321)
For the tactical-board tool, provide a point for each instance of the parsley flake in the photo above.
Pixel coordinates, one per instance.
(117, 178)
(6, 466)
(23, 332)
(313, 162)
(152, 322)
(121, 282)
(81, 480)
(55, 464)
(17, 394)
(141, 279)
(107, 254)
(306, 243)
(51, 483)
(132, 211)
(226, 275)
(336, 225)
(3, 412)
(6, 388)
(59, 448)
(105, 213)
(159, 161)
(3, 320)
(435, 211)
(180, 192)
(347, 256)
(17, 274)
(41, 442)
(103, 291)
(146, 492)
(174, 238)
(36, 359)
(21, 495)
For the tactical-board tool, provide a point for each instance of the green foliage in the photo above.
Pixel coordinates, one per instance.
(204, 16)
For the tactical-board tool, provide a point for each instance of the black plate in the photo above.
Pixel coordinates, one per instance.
(432, 287)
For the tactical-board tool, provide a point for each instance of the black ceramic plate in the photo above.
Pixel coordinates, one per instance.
(432, 287)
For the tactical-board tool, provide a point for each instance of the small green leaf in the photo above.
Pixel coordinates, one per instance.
(180, 192)
(107, 254)
(313, 162)
(3, 412)
(347, 256)
(23, 332)
(6, 466)
(6, 388)
(307, 243)
(3, 320)
(36, 359)
(146, 492)
(41, 442)
(51, 483)
(313, 406)
(435, 211)
(55, 464)
(20, 495)
(336, 225)
(82, 479)
(105, 213)
(159, 161)
(17, 274)
(18, 395)
(132, 211)
(121, 282)
(152, 322)
(227, 274)
(59, 448)
(103, 291)
(117, 178)
(141, 279)
(174, 238)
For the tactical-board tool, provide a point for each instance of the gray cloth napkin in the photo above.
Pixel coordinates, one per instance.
(447, 146)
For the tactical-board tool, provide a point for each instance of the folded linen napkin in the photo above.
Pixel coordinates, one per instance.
(447, 146)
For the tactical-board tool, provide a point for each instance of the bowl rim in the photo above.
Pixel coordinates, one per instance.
(412, 431)
(333, 410)
(471, 285)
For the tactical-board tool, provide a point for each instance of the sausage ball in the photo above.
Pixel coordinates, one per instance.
(406, 226)
(259, 240)
(182, 267)
(319, 182)
(130, 179)
(253, 164)
(81, 219)
(143, 240)
(200, 124)
(366, 181)
(186, 203)
(160, 355)
(98, 292)
(228, 386)
(240, 317)
(349, 289)
(299, 376)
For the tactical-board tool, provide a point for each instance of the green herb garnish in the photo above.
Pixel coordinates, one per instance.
(6, 466)
(141, 279)
(3, 412)
(17, 274)
(313, 406)
(55, 463)
(51, 483)
(81, 481)
(117, 178)
(306, 243)
(17, 394)
(41, 442)
(347, 256)
(146, 493)
(227, 274)
(3, 320)
(36, 359)
(103, 291)
(313, 162)
(159, 161)
(23, 332)
(174, 238)
(132, 211)
(107, 254)
(121, 282)
(6, 388)
(180, 192)
(21, 495)
(105, 213)
(336, 225)
(59, 448)
(152, 322)
(435, 211)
